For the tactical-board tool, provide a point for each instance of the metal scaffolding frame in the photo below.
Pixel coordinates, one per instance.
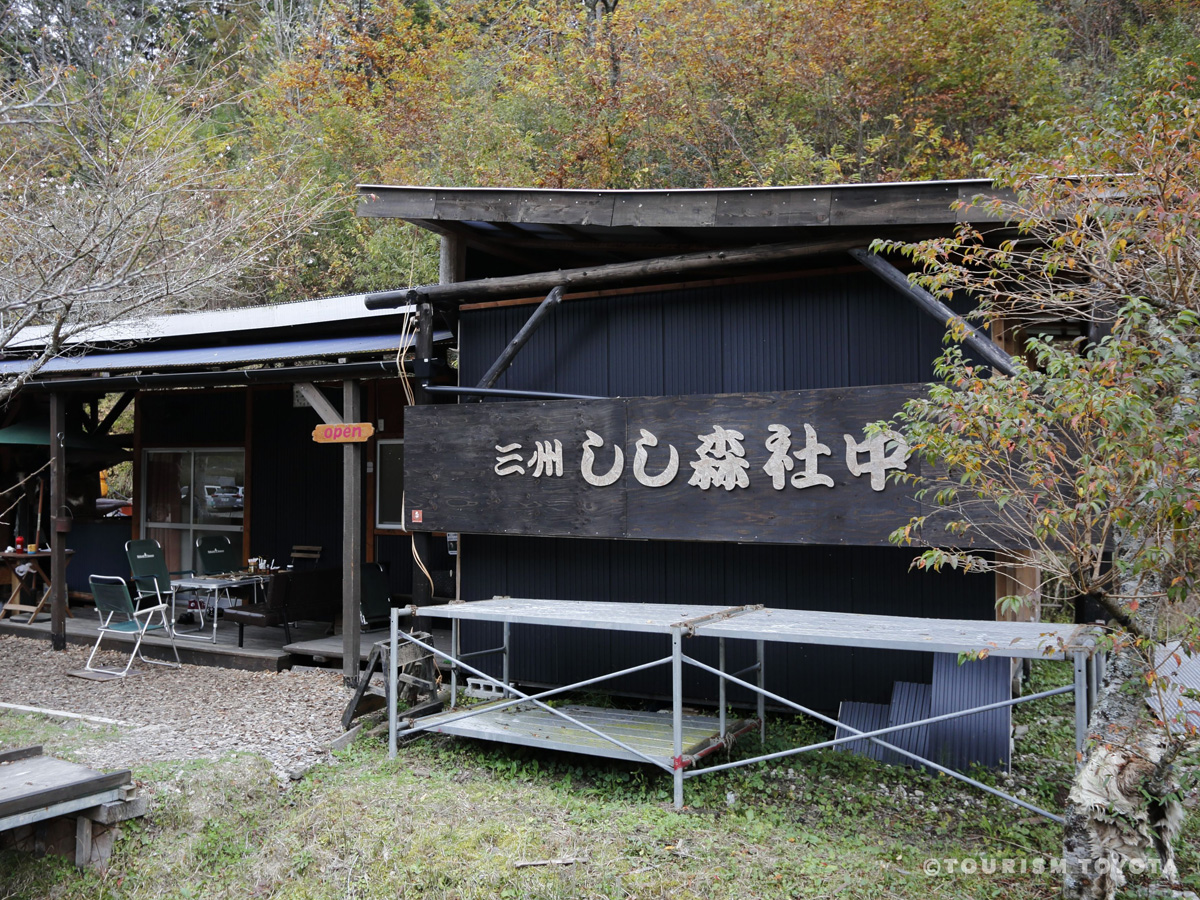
(1023, 640)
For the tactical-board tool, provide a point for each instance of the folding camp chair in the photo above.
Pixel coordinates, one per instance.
(150, 575)
(117, 616)
(215, 555)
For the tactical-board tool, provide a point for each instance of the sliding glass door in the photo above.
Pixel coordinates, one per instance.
(187, 494)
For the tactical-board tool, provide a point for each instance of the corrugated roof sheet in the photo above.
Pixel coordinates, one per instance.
(298, 313)
(196, 357)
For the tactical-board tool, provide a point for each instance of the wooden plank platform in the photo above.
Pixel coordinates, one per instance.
(34, 787)
(529, 726)
(330, 646)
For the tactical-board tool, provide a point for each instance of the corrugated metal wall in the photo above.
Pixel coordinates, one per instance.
(296, 483)
(794, 334)
(824, 331)
(846, 579)
(193, 418)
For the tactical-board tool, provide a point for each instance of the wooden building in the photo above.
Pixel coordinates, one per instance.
(750, 335)
(691, 315)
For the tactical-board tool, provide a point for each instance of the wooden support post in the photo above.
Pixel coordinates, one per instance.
(60, 521)
(452, 259)
(352, 528)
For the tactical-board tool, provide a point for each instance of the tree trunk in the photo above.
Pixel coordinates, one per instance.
(1124, 800)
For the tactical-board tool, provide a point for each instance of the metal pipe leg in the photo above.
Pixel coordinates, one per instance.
(393, 681)
(1081, 700)
(721, 682)
(762, 701)
(677, 713)
(1093, 673)
(453, 666)
(507, 635)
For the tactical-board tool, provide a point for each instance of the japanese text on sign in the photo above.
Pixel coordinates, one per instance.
(720, 459)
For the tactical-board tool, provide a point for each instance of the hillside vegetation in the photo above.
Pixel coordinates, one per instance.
(589, 94)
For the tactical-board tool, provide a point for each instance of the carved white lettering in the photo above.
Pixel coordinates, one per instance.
(885, 450)
(778, 445)
(508, 462)
(589, 459)
(809, 477)
(639, 462)
(721, 460)
(546, 459)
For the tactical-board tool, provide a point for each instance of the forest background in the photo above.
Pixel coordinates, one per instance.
(580, 94)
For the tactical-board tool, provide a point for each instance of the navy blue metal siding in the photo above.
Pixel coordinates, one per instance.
(581, 346)
(193, 418)
(635, 363)
(394, 552)
(296, 485)
(790, 334)
(852, 579)
(795, 334)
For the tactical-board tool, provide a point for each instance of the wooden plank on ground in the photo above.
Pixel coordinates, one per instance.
(40, 781)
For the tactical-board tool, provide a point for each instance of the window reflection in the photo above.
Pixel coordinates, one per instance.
(189, 493)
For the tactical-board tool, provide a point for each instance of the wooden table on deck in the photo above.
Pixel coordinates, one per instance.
(15, 605)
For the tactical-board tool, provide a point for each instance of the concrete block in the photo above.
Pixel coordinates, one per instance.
(118, 810)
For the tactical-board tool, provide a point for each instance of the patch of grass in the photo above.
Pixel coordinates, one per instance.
(452, 819)
(59, 736)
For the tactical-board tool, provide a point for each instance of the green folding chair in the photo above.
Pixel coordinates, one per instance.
(150, 575)
(215, 555)
(118, 617)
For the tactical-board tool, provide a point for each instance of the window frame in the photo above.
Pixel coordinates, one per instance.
(193, 528)
(381, 525)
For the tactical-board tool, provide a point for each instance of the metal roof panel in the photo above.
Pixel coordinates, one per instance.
(199, 357)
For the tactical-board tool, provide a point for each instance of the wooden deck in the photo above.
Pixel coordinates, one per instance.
(647, 734)
(329, 647)
(263, 650)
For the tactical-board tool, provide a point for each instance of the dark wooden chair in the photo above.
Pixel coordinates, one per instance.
(297, 596)
(305, 556)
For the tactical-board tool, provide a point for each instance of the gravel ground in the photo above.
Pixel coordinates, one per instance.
(195, 712)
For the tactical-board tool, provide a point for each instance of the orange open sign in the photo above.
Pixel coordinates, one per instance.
(349, 433)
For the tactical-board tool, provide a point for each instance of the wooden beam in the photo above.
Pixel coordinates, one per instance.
(598, 276)
(20, 753)
(60, 522)
(352, 531)
(977, 342)
(115, 413)
(318, 401)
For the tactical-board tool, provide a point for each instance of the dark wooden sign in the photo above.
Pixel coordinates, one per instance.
(788, 467)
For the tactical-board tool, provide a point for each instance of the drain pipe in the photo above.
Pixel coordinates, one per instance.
(506, 392)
